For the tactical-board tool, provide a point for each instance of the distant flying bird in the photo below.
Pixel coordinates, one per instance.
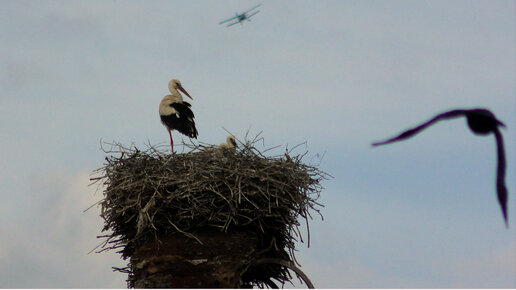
(176, 114)
(230, 144)
(481, 122)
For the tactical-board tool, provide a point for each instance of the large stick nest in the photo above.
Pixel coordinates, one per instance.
(148, 194)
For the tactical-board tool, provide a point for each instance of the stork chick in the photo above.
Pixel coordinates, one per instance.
(176, 114)
(230, 144)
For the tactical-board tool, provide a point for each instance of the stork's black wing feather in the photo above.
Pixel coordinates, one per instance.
(182, 120)
(183, 109)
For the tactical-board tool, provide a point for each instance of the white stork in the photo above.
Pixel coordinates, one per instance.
(176, 114)
(230, 144)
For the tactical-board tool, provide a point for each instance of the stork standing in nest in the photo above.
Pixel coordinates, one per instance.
(176, 114)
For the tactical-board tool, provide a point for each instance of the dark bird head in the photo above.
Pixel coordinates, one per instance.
(482, 121)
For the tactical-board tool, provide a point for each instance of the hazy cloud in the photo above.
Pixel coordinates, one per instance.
(53, 240)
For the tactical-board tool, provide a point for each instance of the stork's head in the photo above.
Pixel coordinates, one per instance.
(175, 85)
(231, 141)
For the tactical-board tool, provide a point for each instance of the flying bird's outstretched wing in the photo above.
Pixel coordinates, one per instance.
(411, 132)
(501, 189)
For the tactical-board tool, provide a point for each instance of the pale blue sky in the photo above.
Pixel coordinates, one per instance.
(336, 74)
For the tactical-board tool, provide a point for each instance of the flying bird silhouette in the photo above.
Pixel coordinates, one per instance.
(481, 122)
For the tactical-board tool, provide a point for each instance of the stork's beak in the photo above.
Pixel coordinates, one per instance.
(185, 92)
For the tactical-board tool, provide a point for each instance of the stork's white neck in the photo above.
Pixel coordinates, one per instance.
(176, 95)
(173, 87)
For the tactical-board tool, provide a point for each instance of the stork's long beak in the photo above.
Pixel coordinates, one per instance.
(185, 92)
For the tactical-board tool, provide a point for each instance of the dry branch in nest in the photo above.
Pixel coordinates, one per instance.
(150, 195)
